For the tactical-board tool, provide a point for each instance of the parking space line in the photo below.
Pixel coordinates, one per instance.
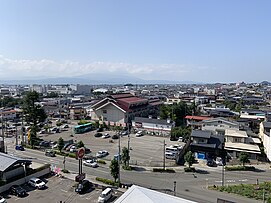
(64, 190)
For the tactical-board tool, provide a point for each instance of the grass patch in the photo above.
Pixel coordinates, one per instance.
(240, 168)
(191, 169)
(161, 170)
(128, 168)
(107, 181)
(100, 161)
(247, 190)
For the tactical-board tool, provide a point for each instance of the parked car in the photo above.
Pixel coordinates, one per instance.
(36, 183)
(101, 153)
(211, 163)
(83, 187)
(91, 163)
(55, 146)
(73, 149)
(42, 132)
(65, 126)
(2, 200)
(66, 146)
(117, 157)
(17, 190)
(105, 195)
(115, 137)
(50, 153)
(139, 133)
(98, 135)
(106, 135)
(99, 130)
(124, 132)
(19, 147)
(44, 144)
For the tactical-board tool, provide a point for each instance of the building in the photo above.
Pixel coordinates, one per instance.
(11, 166)
(137, 194)
(77, 113)
(153, 126)
(265, 130)
(119, 109)
(237, 141)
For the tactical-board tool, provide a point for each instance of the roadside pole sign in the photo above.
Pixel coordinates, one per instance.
(81, 153)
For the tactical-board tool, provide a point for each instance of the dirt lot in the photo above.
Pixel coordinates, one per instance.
(57, 190)
(145, 151)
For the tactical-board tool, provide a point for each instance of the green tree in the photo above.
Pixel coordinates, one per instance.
(34, 114)
(189, 158)
(243, 158)
(114, 169)
(125, 156)
(80, 144)
(183, 132)
(60, 144)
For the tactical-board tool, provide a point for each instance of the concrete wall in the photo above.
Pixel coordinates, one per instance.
(24, 180)
(113, 114)
(14, 172)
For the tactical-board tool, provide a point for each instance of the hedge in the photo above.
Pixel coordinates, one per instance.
(65, 171)
(161, 170)
(240, 168)
(101, 161)
(107, 181)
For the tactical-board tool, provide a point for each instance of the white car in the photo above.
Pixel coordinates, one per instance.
(90, 163)
(106, 135)
(139, 133)
(73, 149)
(55, 146)
(36, 183)
(101, 154)
(3, 200)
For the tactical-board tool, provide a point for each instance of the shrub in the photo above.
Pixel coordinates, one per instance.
(107, 181)
(100, 161)
(240, 168)
(65, 171)
(191, 169)
(72, 155)
(161, 170)
(128, 168)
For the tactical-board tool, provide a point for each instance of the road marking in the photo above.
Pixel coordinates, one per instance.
(230, 181)
(64, 190)
(244, 180)
(218, 181)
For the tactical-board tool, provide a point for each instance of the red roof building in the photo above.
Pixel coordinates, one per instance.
(122, 108)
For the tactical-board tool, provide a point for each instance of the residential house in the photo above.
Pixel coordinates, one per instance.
(77, 113)
(206, 143)
(237, 141)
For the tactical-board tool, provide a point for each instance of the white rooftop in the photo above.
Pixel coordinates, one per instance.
(137, 194)
(235, 133)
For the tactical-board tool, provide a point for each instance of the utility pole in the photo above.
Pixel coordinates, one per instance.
(164, 151)
(128, 143)
(174, 188)
(119, 162)
(222, 175)
(3, 134)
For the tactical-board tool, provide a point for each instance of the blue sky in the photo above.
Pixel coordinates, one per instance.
(192, 40)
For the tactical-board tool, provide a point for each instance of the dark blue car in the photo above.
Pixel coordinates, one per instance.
(19, 147)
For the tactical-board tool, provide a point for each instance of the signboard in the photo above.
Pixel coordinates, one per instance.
(112, 123)
(80, 177)
(81, 153)
(138, 125)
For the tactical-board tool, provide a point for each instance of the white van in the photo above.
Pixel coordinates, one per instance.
(170, 155)
(105, 195)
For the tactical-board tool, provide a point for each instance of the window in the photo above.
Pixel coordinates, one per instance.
(104, 111)
(105, 119)
(237, 140)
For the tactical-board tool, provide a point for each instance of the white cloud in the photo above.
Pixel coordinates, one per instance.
(25, 68)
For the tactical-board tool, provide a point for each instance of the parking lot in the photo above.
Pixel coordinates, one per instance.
(57, 190)
(145, 150)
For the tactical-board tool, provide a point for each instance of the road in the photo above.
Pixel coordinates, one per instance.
(188, 186)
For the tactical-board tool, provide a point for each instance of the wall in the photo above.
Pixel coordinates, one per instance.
(113, 114)
(24, 180)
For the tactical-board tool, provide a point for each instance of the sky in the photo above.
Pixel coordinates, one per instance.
(176, 40)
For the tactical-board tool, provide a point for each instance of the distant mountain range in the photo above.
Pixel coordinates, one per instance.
(93, 79)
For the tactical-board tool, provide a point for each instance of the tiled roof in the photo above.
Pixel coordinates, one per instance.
(199, 118)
